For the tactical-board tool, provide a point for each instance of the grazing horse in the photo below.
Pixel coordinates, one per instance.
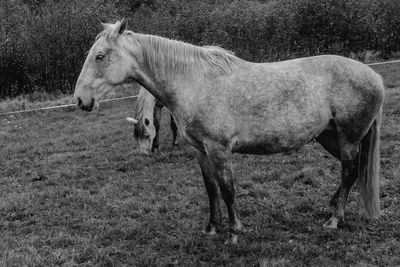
(147, 123)
(223, 104)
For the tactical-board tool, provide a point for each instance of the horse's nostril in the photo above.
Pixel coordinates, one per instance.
(80, 102)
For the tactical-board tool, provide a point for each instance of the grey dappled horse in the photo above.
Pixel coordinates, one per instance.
(223, 104)
(147, 121)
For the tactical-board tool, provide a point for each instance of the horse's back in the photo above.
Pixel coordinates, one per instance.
(319, 82)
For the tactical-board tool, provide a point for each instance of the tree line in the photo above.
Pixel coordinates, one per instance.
(43, 43)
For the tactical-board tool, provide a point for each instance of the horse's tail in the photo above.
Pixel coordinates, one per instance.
(369, 170)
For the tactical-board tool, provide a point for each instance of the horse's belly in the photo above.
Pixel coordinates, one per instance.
(264, 147)
(258, 140)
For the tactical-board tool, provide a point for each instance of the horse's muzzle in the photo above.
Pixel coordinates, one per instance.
(86, 107)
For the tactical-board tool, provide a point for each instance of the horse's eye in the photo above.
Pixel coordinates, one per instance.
(99, 57)
(146, 121)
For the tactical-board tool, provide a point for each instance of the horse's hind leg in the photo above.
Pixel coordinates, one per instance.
(336, 145)
(212, 192)
(338, 202)
(329, 140)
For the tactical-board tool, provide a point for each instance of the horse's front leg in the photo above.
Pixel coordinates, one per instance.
(221, 160)
(157, 122)
(174, 130)
(212, 192)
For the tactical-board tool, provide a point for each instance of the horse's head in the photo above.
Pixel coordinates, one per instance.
(145, 133)
(108, 64)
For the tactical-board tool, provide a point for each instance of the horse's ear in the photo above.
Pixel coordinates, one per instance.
(122, 26)
(132, 120)
(118, 28)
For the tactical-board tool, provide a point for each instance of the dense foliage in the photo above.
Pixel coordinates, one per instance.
(43, 42)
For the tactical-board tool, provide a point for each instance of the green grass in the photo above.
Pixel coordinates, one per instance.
(74, 191)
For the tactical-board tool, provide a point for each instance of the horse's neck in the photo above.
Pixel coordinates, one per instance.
(149, 101)
(170, 68)
(164, 88)
(145, 104)
(148, 108)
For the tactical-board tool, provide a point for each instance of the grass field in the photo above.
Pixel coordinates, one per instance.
(74, 191)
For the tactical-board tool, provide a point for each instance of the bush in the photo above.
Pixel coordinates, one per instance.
(43, 42)
(43, 45)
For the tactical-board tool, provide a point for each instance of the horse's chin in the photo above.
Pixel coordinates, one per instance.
(146, 150)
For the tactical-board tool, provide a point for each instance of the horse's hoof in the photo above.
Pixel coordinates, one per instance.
(210, 230)
(233, 240)
(238, 227)
(331, 223)
(174, 144)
